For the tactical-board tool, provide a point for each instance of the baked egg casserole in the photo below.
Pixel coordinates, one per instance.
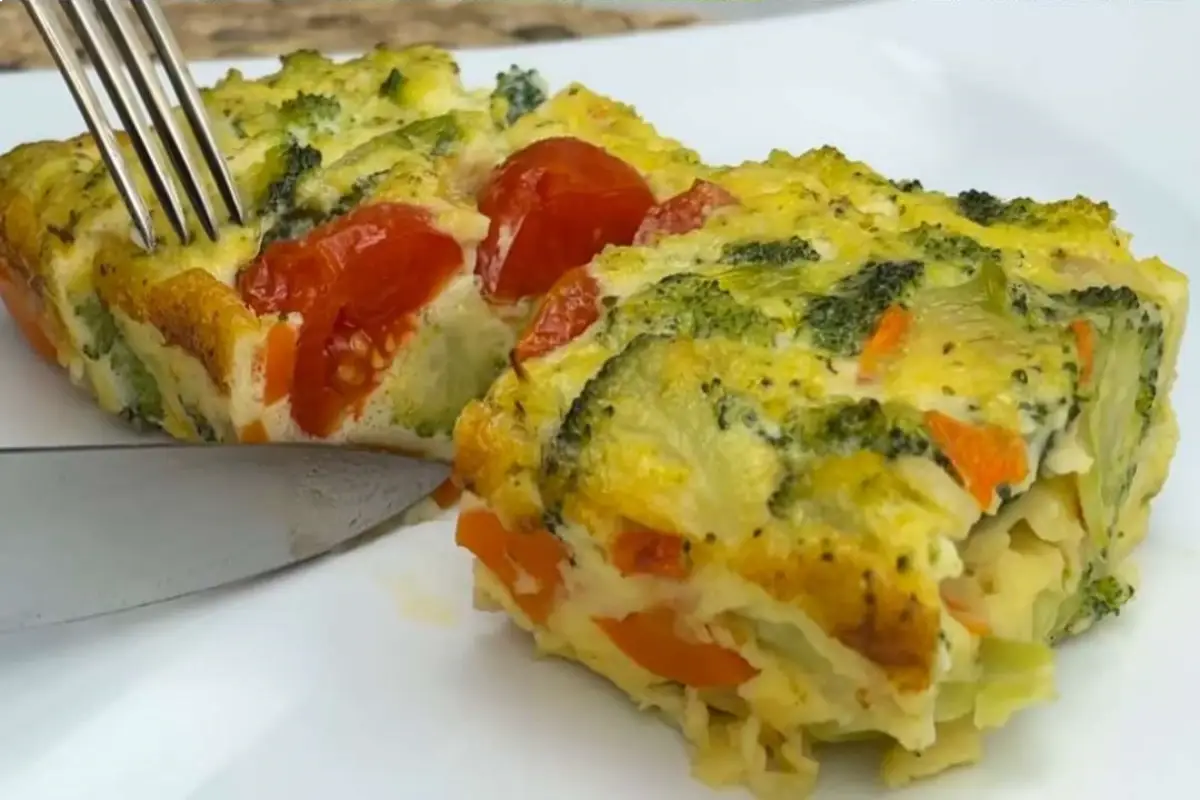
(824, 456)
(402, 227)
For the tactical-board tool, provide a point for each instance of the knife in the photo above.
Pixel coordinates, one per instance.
(95, 529)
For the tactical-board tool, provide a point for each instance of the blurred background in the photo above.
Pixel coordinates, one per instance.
(231, 28)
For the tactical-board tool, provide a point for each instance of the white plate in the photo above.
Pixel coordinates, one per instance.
(369, 676)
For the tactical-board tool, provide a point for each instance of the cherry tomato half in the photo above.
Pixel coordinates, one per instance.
(554, 205)
(358, 282)
(566, 311)
(684, 212)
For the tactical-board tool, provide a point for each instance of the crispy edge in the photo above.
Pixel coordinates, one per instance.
(192, 310)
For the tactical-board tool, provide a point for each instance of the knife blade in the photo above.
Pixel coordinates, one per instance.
(95, 529)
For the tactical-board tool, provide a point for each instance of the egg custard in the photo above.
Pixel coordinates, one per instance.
(829, 457)
(401, 227)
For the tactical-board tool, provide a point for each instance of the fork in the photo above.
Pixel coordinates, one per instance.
(132, 84)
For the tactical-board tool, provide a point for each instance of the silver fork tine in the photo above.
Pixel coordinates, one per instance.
(89, 105)
(113, 15)
(189, 98)
(112, 74)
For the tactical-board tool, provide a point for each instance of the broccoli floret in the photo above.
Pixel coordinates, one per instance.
(438, 134)
(290, 163)
(1119, 309)
(1102, 298)
(101, 325)
(1106, 596)
(987, 209)
(204, 429)
(842, 320)
(940, 244)
(298, 221)
(310, 110)
(518, 91)
(841, 429)
(689, 305)
(590, 411)
(145, 408)
(392, 87)
(852, 427)
(357, 193)
(778, 252)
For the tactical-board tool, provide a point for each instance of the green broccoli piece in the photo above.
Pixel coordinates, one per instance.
(843, 428)
(310, 110)
(146, 408)
(361, 189)
(688, 305)
(518, 92)
(1102, 298)
(203, 428)
(438, 134)
(290, 162)
(101, 325)
(1119, 310)
(589, 415)
(841, 321)
(940, 244)
(778, 252)
(1105, 597)
(298, 221)
(987, 209)
(392, 87)
(864, 425)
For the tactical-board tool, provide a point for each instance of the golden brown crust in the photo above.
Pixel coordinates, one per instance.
(192, 310)
(858, 598)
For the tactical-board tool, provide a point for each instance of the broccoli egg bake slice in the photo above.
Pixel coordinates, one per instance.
(832, 458)
(349, 309)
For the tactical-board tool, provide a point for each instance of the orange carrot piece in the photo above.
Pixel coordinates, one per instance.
(640, 551)
(512, 555)
(968, 618)
(279, 363)
(254, 433)
(447, 493)
(985, 456)
(1085, 343)
(884, 342)
(650, 639)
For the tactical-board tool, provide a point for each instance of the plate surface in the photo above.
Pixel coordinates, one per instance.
(370, 676)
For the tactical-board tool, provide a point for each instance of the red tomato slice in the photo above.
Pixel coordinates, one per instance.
(358, 282)
(566, 311)
(554, 205)
(684, 212)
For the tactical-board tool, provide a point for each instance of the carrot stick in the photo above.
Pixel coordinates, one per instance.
(513, 555)
(651, 640)
(985, 456)
(1085, 343)
(884, 342)
(279, 363)
(254, 433)
(447, 493)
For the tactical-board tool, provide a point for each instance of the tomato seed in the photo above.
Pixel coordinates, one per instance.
(360, 344)
(350, 374)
